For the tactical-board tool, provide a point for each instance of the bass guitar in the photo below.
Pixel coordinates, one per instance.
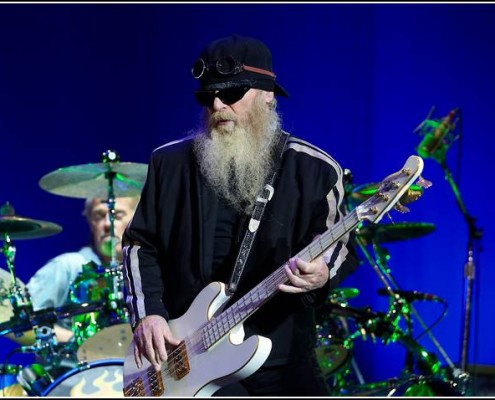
(213, 351)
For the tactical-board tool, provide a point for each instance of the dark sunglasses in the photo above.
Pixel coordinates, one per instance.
(227, 96)
(225, 66)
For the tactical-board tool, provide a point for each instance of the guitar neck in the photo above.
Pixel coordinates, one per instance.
(220, 325)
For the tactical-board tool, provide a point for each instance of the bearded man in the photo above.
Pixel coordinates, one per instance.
(199, 207)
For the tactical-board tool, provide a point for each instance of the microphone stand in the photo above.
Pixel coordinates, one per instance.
(474, 234)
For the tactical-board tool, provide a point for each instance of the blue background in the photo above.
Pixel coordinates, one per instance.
(76, 80)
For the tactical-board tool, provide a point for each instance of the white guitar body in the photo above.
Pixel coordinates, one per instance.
(227, 361)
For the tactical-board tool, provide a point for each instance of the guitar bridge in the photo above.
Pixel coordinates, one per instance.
(155, 382)
(135, 389)
(178, 361)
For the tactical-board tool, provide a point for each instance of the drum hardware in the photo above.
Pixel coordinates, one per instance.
(386, 326)
(15, 226)
(334, 343)
(109, 179)
(411, 385)
(417, 358)
(34, 379)
(47, 317)
(106, 333)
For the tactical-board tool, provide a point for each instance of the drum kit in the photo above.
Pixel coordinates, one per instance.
(340, 325)
(91, 363)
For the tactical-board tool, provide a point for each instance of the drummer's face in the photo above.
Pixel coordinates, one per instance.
(99, 222)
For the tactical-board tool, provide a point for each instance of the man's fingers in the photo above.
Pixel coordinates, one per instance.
(137, 356)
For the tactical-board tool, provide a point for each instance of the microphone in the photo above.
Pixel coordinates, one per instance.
(106, 246)
(411, 295)
(433, 142)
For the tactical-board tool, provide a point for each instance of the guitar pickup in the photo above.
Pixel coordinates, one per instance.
(178, 361)
(155, 382)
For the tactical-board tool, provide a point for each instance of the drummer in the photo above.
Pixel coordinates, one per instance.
(50, 285)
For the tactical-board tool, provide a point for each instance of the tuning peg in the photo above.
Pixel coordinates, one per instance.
(401, 208)
(410, 196)
(424, 183)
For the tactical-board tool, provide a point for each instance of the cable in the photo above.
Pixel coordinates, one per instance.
(430, 327)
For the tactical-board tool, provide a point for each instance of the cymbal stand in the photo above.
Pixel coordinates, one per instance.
(379, 265)
(20, 299)
(116, 297)
(109, 157)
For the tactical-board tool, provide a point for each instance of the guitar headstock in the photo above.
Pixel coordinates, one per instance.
(391, 189)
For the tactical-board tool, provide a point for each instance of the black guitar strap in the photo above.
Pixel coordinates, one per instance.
(261, 201)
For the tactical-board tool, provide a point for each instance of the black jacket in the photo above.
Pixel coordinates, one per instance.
(168, 245)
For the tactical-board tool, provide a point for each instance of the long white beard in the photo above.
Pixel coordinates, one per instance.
(236, 163)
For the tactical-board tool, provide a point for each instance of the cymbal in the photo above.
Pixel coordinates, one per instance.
(6, 310)
(339, 294)
(344, 310)
(90, 180)
(393, 232)
(362, 192)
(18, 227)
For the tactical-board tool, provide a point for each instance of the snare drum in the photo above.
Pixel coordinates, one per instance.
(102, 378)
(8, 381)
(103, 334)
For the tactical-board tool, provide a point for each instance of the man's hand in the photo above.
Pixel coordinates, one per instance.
(305, 276)
(150, 337)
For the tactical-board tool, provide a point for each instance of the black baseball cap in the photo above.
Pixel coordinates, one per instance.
(236, 61)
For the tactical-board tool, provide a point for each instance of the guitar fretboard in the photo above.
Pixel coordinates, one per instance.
(219, 326)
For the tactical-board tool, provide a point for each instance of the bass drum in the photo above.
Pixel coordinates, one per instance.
(103, 378)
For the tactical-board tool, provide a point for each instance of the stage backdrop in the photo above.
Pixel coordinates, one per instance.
(76, 80)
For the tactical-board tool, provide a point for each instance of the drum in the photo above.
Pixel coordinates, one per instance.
(333, 352)
(100, 334)
(8, 381)
(102, 378)
(34, 378)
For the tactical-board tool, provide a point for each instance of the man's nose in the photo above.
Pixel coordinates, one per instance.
(217, 104)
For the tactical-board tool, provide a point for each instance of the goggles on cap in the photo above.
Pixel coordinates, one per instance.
(225, 66)
(227, 96)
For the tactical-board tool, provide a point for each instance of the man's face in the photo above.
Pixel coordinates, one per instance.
(225, 118)
(99, 223)
(234, 147)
